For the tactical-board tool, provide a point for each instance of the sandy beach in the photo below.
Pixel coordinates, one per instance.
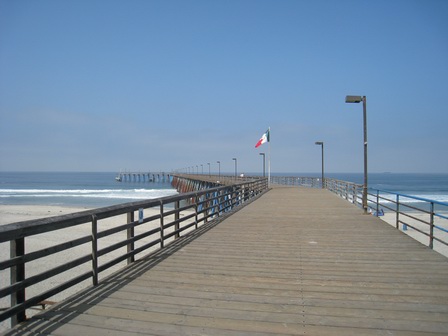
(390, 218)
(14, 213)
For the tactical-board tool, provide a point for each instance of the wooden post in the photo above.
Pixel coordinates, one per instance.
(176, 217)
(162, 238)
(130, 235)
(196, 199)
(17, 249)
(94, 250)
(207, 207)
(431, 227)
(377, 202)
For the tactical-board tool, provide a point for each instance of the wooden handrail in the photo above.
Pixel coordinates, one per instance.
(204, 206)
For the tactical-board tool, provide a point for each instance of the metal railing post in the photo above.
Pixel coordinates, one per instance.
(397, 216)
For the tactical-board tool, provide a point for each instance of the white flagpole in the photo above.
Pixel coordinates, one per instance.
(269, 158)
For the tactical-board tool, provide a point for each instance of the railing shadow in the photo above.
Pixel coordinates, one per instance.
(76, 305)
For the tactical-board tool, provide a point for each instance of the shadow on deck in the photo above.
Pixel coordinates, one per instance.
(295, 261)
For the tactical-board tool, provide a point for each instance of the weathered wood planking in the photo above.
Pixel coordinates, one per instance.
(296, 261)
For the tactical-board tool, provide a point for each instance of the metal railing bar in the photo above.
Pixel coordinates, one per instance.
(413, 197)
(413, 227)
(414, 218)
(441, 241)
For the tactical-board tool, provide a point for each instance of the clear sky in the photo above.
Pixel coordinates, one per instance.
(108, 85)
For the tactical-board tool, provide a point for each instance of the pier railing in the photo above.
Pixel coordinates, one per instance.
(94, 246)
(427, 218)
(350, 191)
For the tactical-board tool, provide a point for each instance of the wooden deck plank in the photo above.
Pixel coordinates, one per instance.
(294, 262)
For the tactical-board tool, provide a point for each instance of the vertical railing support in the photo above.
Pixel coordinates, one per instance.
(397, 215)
(17, 249)
(94, 250)
(162, 237)
(196, 200)
(431, 226)
(130, 235)
(176, 218)
(205, 207)
(377, 202)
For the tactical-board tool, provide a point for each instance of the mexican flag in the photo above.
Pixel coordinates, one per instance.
(263, 139)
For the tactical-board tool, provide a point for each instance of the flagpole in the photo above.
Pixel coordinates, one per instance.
(269, 159)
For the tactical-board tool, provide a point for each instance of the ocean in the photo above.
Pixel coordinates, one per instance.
(101, 189)
(429, 186)
(93, 190)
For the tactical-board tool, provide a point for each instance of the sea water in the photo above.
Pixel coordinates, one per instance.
(421, 185)
(77, 189)
(101, 189)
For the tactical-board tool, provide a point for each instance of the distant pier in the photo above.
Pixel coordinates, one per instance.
(160, 177)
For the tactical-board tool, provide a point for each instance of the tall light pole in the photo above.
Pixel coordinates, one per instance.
(208, 168)
(320, 143)
(264, 164)
(234, 159)
(202, 169)
(197, 170)
(219, 169)
(358, 99)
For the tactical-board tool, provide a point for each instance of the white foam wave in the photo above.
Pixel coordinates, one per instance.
(420, 198)
(88, 193)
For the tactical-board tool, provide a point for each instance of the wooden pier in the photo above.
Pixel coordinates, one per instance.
(160, 177)
(294, 262)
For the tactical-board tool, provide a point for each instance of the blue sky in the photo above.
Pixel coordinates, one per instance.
(161, 85)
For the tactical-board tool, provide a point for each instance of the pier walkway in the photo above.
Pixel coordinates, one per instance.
(296, 261)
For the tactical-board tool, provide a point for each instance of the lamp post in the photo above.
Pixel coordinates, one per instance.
(219, 169)
(197, 170)
(320, 143)
(264, 164)
(208, 168)
(202, 169)
(358, 99)
(234, 159)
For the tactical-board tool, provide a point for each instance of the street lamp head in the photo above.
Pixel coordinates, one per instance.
(234, 159)
(353, 99)
(319, 143)
(261, 154)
